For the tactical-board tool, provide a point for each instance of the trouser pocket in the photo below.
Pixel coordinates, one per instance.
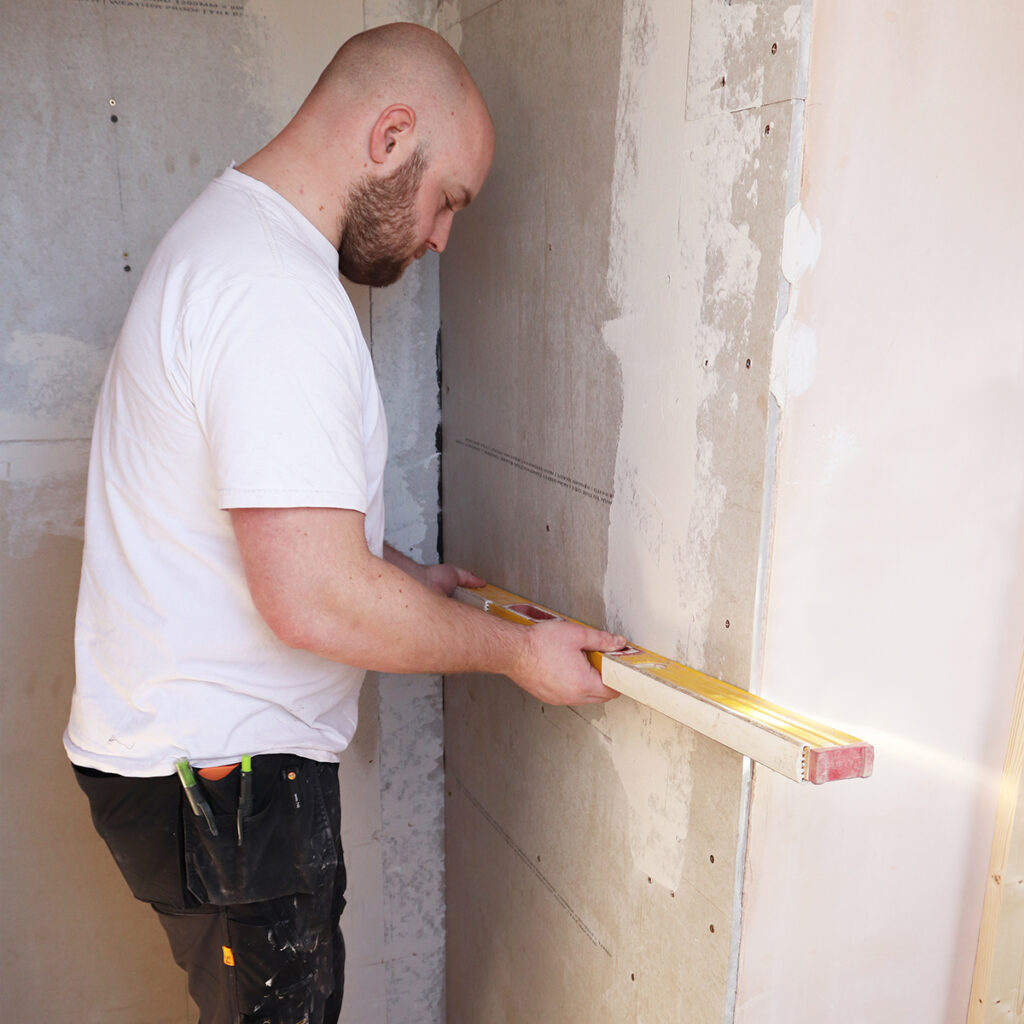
(140, 821)
(287, 845)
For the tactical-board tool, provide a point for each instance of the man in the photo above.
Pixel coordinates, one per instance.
(235, 583)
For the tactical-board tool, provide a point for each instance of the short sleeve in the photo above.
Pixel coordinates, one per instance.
(279, 374)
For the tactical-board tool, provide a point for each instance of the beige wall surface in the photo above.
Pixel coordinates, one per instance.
(192, 86)
(896, 596)
(608, 309)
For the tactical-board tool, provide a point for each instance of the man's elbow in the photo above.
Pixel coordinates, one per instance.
(297, 635)
(293, 625)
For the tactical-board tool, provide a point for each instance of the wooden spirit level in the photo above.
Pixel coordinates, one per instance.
(788, 743)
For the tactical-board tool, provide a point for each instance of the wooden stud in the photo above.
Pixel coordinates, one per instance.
(997, 992)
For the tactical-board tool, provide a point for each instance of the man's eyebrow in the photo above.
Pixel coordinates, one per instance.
(466, 197)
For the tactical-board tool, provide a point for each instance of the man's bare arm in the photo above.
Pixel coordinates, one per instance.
(319, 588)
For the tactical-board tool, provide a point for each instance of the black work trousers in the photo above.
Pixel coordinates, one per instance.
(253, 921)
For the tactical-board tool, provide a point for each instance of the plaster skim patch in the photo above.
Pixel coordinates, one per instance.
(685, 290)
(652, 758)
(755, 43)
(653, 490)
(43, 489)
(646, 588)
(693, 272)
(794, 353)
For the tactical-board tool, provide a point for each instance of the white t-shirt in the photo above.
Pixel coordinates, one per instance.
(240, 379)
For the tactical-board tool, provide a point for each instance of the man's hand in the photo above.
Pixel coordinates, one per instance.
(554, 668)
(442, 579)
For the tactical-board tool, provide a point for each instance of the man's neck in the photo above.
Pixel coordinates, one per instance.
(276, 166)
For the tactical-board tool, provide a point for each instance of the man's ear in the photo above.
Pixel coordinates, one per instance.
(392, 134)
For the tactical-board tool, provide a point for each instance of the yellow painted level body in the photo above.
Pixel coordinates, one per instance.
(792, 744)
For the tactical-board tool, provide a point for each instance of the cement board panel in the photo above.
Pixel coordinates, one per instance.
(529, 269)
(600, 891)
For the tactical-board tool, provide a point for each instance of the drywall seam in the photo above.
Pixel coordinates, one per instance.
(739, 873)
(756, 667)
(530, 866)
(794, 175)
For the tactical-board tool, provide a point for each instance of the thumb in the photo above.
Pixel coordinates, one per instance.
(470, 579)
(601, 640)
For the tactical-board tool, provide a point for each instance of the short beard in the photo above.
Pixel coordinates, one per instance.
(378, 234)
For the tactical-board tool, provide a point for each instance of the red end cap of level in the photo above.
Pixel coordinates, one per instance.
(831, 764)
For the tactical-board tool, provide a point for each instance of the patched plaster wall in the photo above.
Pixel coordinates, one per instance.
(609, 305)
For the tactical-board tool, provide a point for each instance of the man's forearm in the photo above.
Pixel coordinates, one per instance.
(387, 619)
(319, 588)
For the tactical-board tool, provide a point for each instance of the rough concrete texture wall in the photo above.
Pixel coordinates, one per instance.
(92, 196)
(116, 116)
(608, 310)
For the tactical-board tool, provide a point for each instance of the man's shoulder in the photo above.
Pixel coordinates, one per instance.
(236, 232)
(228, 223)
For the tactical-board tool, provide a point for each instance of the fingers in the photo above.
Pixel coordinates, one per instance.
(469, 579)
(444, 578)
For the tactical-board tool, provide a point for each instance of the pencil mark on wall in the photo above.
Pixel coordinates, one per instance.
(215, 7)
(588, 490)
(538, 874)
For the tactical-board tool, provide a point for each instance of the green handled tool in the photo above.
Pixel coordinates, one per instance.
(244, 794)
(196, 800)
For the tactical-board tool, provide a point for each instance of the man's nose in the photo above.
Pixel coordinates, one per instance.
(438, 237)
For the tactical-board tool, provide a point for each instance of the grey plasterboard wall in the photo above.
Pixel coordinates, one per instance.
(194, 86)
(608, 312)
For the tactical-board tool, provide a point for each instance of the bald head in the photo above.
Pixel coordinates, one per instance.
(403, 63)
(394, 131)
(401, 55)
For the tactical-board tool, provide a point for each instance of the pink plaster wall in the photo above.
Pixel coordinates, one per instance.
(895, 602)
